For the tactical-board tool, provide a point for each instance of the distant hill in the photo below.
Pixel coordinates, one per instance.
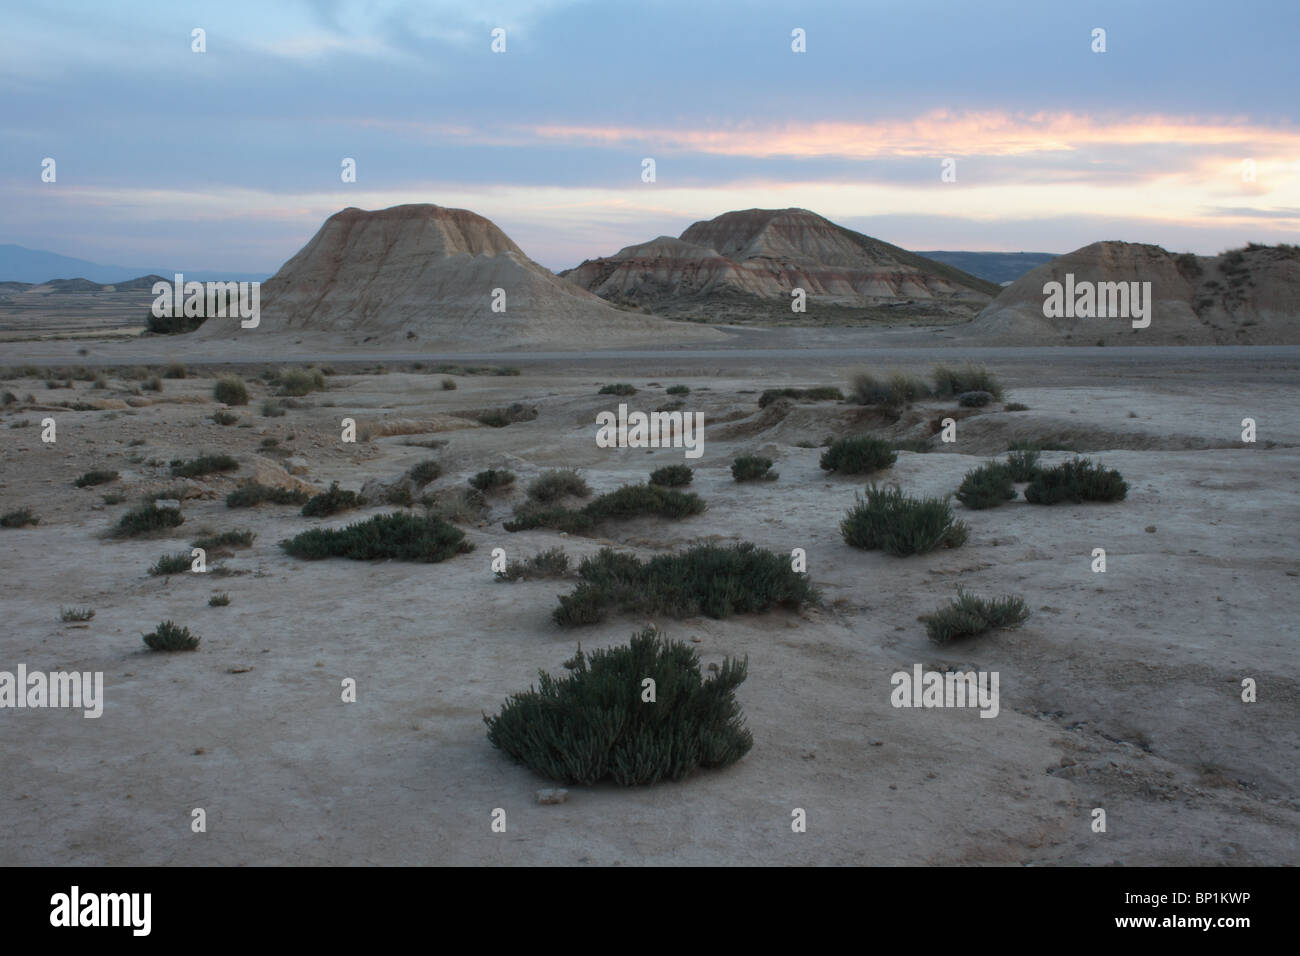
(745, 264)
(999, 267)
(35, 266)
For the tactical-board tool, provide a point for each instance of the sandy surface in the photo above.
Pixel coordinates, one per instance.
(1122, 691)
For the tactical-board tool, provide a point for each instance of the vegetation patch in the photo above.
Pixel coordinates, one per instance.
(974, 399)
(887, 520)
(225, 539)
(219, 600)
(169, 636)
(399, 536)
(146, 520)
(954, 380)
(230, 390)
(708, 579)
(858, 456)
(678, 390)
(894, 393)
(21, 518)
(177, 563)
(752, 468)
(424, 472)
(252, 494)
(508, 415)
(621, 388)
(300, 381)
(1076, 481)
(969, 616)
(70, 615)
(630, 501)
(545, 564)
(988, 486)
(332, 502)
(493, 479)
(820, 393)
(592, 724)
(92, 478)
(1022, 465)
(558, 483)
(203, 465)
(225, 418)
(672, 476)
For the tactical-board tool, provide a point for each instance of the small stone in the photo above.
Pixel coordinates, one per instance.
(552, 795)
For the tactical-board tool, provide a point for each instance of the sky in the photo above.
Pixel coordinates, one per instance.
(1183, 132)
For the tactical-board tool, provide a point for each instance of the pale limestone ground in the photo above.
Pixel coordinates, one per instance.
(1122, 691)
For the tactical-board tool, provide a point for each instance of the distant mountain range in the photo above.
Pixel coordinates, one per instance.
(20, 264)
(999, 267)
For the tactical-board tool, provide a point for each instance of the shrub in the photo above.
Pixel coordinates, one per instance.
(399, 495)
(621, 388)
(887, 520)
(592, 724)
(19, 519)
(1076, 481)
(1022, 465)
(272, 409)
(448, 385)
(70, 614)
(707, 579)
(152, 384)
(501, 417)
(175, 370)
(252, 494)
(203, 465)
(113, 498)
(492, 480)
(974, 399)
(424, 472)
(1015, 407)
(545, 564)
(301, 381)
(950, 381)
(147, 519)
(92, 478)
(897, 392)
(219, 600)
(230, 390)
(173, 324)
(177, 563)
(752, 468)
(820, 393)
(461, 505)
(225, 418)
(970, 615)
(988, 486)
(171, 637)
(678, 390)
(331, 502)
(858, 456)
(557, 483)
(226, 539)
(399, 536)
(672, 476)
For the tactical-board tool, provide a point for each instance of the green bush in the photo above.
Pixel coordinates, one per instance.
(970, 615)
(225, 539)
(493, 479)
(301, 381)
(78, 614)
(707, 579)
(621, 388)
(592, 724)
(1015, 407)
(230, 390)
(1022, 465)
(1076, 481)
(448, 385)
(272, 409)
(672, 476)
(175, 370)
(858, 456)
(399, 495)
(974, 399)
(152, 384)
(252, 494)
(462, 505)
(988, 486)
(225, 418)
(546, 564)
(219, 600)
(678, 390)
(752, 468)
(950, 381)
(331, 502)
(147, 519)
(171, 637)
(885, 519)
(424, 472)
(501, 417)
(203, 465)
(173, 324)
(629, 501)
(894, 393)
(92, 478)
(820, 393)
(177, 563)
(399, 536)
(557, 483)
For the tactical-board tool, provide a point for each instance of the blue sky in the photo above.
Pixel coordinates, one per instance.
(230, 159)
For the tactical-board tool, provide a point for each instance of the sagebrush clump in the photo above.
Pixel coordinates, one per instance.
(301, 381)
(672, 476)
(332, 502)
(203, 465)
(177, 563)
(753, 468)
(545, 564)
(558, 483)
(146, 520)
(858, 456)
(621, 388)
(969, 616)
(1076, 481)
(1022, 465)
(399, 536)
(885, 519)
(253, 494)
(950, 381)
(988, 486)
(92, 478)
(629, 501)
(168, 636)
(711, 580)
(493, 479)
(592, 724)
(230, 390)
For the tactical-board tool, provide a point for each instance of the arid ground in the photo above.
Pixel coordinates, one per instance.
(1122, 692)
